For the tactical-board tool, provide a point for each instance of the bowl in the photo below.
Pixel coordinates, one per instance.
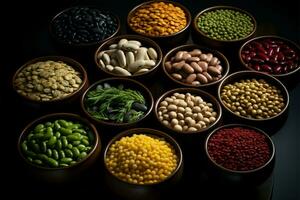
(249, 100)
(147, 190)
(164, 39)
(81, 29)
(112, 115)
(271, 54)
(49, 155)
(223, 147)
(49, 80)
(128, 47)
(180, 120)
(200, 36)
(182, 73)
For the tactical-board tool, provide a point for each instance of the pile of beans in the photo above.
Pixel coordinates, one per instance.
(239, 149)
(82, 25)
(225, 24)
(158, 19)
(273, 56)
(253, 98)
(194, 67)
(58, 143)
(47, 80)
(141, 159)
(127, 57)
(186, 112)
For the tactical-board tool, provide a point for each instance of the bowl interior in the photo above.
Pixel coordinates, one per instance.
(73, 63)
(86, 44)
(128, 84)
(204, 95)
(96, 144)
(269, 141)
(152, 133)
(186, 11)
(190, 47)
(237, 76)
(291, 44)
(214, 8)
(146, 42)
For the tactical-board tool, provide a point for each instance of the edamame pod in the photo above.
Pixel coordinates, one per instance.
(66, 160)
(52, 141)
(61, 154)
(68, 153)
(24, 146)
(55, 154)
(64, 141)
(75, 151)
(65, 131)
(51, 162)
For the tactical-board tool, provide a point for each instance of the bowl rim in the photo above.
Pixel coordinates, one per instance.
(71, 116)
(259, 131)
(186, 11)
(204, 95)
(282, 88)
(289, 42)
(155, 134)
(198, 30)
(124, 81)
(217, 54)
(50, 28)
(67, 60)
(141, 39)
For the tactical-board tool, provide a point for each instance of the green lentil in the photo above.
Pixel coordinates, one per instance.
(255, 97)
(49, 144)
(225, 24)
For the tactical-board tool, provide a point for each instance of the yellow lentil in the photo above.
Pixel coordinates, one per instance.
(158, 19)
(141, 159)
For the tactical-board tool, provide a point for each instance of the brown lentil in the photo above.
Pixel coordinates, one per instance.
(141, 159)
(158, 19)
(253, 98)
(47, 80)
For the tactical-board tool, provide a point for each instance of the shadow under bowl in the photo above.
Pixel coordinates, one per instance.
(61, 174)
(168, 41)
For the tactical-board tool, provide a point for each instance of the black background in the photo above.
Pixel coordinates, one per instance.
(25, 36)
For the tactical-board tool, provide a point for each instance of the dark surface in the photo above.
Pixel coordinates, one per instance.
(25, 36)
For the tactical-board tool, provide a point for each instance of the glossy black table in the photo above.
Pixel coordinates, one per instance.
(27, 37)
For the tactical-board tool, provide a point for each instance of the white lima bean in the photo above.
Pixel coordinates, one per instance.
(129, 55)
(186, 112)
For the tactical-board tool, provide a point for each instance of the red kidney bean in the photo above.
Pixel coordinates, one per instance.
(271, 56)
(239, 149)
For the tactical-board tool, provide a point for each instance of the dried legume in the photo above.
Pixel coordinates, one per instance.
(141, 159)
(253, 98)
(58, 143)
(186, 112)
(127, 57)
(239, 148)
(225, 24)
(82, 25)
(273, 56)
(158, 19)
(194, 67)
(47, 80)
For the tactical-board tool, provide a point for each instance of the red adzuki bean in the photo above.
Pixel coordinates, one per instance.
(239, 149)
(270, 55)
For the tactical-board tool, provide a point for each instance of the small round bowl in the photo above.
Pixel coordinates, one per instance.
(167, 41)
(56, 101)
(188, 137)
(262, 122)
(228, 176)
(146, 191)
(223, 62)
(265, 54)
(128, 84)
(85, 46)
(61, 174)
(200, 37)
(146, 42)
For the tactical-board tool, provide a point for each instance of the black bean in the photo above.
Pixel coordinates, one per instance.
(139, 107)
